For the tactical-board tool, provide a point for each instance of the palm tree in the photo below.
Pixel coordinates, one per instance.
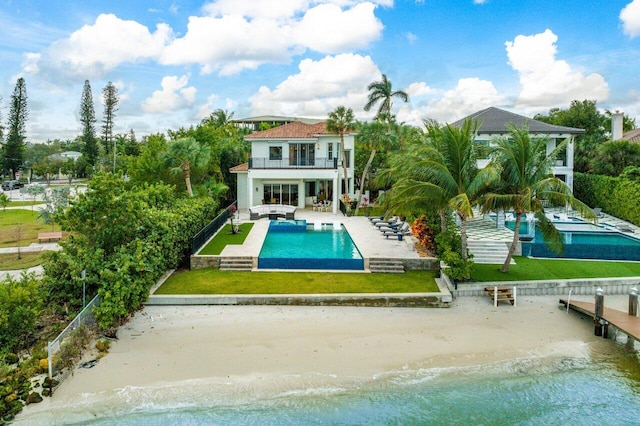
(527, 183)
(443, 172)
(184, 154)
(382, 91)
(341, 121)
(376, 135)
(218, 118)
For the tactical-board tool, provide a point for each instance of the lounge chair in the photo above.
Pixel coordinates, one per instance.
(405, 229)
(563, 217)
(550, 216)
(391, 227)
(391, 222)
(623, 227)
(598, 212)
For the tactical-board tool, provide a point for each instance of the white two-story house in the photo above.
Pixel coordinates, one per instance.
(493, 123)
(295, 164)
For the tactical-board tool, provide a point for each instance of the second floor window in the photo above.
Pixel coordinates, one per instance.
(347, 157)
(330, 150)
(275, 153)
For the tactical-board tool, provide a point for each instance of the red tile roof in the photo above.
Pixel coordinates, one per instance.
(295, 130)
(632, 135)
(244, 167)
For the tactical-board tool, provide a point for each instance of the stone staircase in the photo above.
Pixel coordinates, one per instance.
(488, 251)
(386, 266)
(236, 263)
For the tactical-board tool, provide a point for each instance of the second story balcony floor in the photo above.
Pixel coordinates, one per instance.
(293, 163)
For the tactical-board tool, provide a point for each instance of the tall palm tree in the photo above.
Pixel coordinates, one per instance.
(341, 121)
(444, 172)
(527, 183)
(184, 154)
(375, 135)
(382, 91)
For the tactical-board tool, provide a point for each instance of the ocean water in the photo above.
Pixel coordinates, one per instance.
(599, 389)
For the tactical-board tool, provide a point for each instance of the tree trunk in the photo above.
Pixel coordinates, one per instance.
(514, 243)
(344, 165)
(364, 174)
(443, 219)
(463, 236)
(187, 178)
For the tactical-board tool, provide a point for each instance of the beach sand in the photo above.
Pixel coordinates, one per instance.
(245, 344)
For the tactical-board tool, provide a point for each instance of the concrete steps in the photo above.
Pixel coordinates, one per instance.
(238, 263)
(494, 252)
(386, 266)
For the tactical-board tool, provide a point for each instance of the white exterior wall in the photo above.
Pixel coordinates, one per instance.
(251, 191)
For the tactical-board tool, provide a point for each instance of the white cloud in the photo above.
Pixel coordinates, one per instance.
(546, 80)
(253, 33)
(630, 17)
(327, 28)
(479, 1)
(96, 49)
(174, 95)
(411, 37)
(469, 95)
(419, 89)
(320, 87)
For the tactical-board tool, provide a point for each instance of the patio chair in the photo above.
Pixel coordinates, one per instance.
(598, 212)
(327, 206)
(391, 227)
(394, 220)
(405, 229)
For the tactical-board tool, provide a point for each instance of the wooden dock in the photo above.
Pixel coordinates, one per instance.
(624, 322)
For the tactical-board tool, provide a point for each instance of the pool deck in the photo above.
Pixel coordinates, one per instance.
(370, 241)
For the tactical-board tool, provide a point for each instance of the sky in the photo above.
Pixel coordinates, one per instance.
(176, 61)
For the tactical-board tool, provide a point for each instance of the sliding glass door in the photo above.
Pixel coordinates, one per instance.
(302, 154)
(277, 193)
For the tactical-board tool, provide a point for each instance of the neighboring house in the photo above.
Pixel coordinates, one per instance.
(493, 123)
(74, 155)
(254, 123)
(632, 135)
(295, 164)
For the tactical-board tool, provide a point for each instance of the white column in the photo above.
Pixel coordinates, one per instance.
(302, 195)
(250, 190)
(570, 149)
(336, 197)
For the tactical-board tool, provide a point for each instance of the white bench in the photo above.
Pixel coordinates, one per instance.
(272, 211)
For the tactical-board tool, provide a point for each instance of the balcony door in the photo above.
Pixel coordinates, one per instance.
(302, 154)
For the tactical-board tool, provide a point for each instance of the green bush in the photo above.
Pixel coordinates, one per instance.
(20, 309)
(617, 196)
(125, 237)
(449, 251)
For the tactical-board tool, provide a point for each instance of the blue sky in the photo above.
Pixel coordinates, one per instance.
(175, 61)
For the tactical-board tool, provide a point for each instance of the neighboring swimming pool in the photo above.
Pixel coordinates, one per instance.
(297, 244)
(582, 240)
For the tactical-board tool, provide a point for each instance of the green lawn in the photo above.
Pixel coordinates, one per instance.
(20, 227)
(24, 203)
(214, 281)
(548, 269)
(10, 261)
(224, 237)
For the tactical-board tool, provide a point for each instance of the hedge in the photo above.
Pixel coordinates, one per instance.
(617, 196)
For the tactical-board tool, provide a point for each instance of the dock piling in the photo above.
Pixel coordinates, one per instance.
(633, 302)
(599, 305)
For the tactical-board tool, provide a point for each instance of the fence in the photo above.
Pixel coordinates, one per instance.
(203, 236)
(84, 318)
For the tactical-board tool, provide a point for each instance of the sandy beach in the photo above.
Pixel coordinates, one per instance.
(229, 344)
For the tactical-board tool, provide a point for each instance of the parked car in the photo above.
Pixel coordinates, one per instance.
(11, 184)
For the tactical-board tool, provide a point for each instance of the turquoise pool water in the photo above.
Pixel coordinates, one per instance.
(301, 245)
(582, 240)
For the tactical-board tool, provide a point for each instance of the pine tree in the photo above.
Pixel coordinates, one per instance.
(13, 149)
(88, 119)
(110, 96)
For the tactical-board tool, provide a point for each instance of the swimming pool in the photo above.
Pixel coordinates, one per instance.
(582, 240)
(301, 245)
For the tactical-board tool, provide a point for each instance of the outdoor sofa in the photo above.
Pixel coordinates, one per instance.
(272, 211)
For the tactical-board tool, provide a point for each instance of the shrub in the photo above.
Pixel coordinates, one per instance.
(449, 251)
(423, 232)
(617, 196)
(20, 308)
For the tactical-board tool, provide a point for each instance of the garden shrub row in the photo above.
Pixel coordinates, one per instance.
(125, 238)
(617, 196)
